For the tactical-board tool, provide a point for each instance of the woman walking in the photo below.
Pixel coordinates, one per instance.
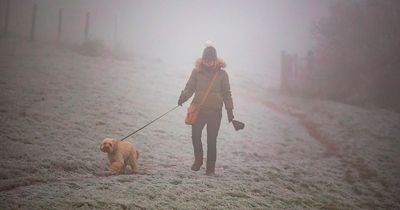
(209, 83)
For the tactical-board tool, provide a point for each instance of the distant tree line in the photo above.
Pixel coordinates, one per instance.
(358, 52)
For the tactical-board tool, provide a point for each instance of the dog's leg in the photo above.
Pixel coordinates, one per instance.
(123, 168)
(116, 167)
(133, 163)
(134, 166)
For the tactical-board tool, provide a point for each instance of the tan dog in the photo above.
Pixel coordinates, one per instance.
(120, 154)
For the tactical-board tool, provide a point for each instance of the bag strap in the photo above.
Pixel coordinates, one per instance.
(209, 88)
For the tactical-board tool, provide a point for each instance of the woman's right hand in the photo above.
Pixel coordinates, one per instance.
(180, 100)
(230, 115)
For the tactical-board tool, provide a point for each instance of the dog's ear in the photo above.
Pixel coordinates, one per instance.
(114, 142)
(102, 147)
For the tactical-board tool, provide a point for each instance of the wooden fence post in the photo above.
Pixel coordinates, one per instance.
(295, 71)
(87, 26)
(59, 25)
(289, 72)
(314, 77)
(283, 70)
(6, 17)
(32, 37)
(115, 32)
(310, 61)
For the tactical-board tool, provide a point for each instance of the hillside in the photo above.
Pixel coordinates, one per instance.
(57, 106)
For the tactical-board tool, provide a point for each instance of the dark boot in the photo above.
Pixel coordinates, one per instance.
(210, 169)
(198, 161)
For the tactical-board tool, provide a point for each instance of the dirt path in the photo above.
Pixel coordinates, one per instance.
(311, 126)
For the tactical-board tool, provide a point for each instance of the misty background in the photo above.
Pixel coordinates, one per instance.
(354, 44)
(248, 35)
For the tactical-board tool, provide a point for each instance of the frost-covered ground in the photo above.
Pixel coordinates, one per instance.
(56, 107)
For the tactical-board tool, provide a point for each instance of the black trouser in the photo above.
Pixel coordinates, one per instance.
(213, 121)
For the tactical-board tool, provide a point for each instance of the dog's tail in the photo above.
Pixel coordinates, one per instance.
(137, 155)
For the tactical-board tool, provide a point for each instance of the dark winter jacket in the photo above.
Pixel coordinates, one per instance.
(199, 81)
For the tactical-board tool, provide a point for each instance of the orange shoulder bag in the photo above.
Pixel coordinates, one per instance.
(194, 109)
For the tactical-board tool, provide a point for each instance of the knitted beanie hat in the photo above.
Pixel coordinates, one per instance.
(210, 53)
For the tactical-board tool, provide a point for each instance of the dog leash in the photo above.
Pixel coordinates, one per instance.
(150, 123)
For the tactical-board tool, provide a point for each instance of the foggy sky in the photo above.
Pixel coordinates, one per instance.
(249, 35)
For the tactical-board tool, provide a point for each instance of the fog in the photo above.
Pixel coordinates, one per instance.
(248, 35)
(324, 136)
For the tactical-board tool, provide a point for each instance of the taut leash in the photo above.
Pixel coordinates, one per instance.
(150, 123)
